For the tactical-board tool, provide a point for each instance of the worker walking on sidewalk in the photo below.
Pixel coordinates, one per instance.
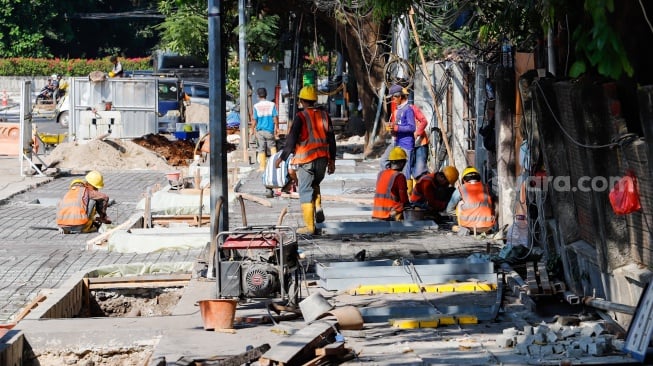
(265, 124)
(77, 209)
(391, 194)
(313, 142)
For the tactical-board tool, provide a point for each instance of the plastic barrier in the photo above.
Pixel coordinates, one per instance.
(10, 139)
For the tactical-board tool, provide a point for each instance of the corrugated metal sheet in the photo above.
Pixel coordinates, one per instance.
(569, 101)
(641, 223)
(135, 99)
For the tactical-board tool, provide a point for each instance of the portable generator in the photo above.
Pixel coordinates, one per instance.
(258, 262)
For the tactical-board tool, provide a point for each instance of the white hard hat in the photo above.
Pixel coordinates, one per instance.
(54, 76)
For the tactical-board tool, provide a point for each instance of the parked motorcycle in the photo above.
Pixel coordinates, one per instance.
(46, 95)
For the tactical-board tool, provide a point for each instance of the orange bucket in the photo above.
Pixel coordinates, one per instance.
(218, 313)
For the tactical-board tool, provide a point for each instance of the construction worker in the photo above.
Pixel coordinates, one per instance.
(116, 71)
(472, 203)
(313, 142)
(433, 191)
(77, 209)
(402, 127)
(265, 126)
(391, 195)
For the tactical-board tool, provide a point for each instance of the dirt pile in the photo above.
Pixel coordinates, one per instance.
(104, 155)
(176, 152)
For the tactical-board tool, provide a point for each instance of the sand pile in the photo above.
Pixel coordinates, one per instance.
(105, 154)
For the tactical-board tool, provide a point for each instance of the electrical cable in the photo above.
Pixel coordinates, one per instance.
(645, 16)
(571, 138)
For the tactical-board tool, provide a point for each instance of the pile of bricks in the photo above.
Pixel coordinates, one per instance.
(551, 340)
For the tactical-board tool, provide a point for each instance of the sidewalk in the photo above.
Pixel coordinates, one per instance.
(11, 180)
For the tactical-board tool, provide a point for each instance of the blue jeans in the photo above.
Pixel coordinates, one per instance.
(419, 160)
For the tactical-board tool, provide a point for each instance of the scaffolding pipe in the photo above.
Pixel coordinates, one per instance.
(608, 305)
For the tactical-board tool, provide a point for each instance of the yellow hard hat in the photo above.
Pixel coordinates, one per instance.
(397, 153)
(188, 128)
(469, 171)
(112, 74)
(308, 93)
(76, 181)
(451, 173)
(95, 179)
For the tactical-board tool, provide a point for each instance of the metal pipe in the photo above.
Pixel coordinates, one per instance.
(242, 76)
(608, 305)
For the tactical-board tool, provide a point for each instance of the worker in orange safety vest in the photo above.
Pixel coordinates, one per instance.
(391, 193)
(77, 209)
(472, 203)
(433, 191)
(313, 142)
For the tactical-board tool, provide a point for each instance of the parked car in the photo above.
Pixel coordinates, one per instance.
(198, 92)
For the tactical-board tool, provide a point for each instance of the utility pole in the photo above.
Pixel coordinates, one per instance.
(242, 60)
(217, 127)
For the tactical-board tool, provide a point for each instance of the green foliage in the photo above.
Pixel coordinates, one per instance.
(67, 67)
(185, 29)
(262, 35)
(599, 45)
(23, 27)
(233, 75)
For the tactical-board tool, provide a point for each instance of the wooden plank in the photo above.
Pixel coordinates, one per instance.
(317, 361)
(337, 348)
(544, 278)
(27, 309)
(144, 278)
(299, 346)
(147, 281)
(531, 280)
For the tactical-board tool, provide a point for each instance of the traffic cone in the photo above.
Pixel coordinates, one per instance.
(5, 102)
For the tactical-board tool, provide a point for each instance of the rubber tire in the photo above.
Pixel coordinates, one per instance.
(63, 119)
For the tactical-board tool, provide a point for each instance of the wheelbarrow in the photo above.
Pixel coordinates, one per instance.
(50, 140)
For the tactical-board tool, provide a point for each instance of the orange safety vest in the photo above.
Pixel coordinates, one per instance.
(384, 200)
(315, 127)
(427, 181)
(71, 210)
(475, 209)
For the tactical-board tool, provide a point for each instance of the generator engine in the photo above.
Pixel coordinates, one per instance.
(257, 262)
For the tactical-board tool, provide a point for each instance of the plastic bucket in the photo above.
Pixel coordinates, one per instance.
(173, 176)
(309, 77)
(218, 313)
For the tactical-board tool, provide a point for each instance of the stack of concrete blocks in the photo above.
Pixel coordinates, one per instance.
(560, 341)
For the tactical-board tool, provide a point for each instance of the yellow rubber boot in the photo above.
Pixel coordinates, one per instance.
(409, 184)
(262, 160)
(308, 212)
(319, 213)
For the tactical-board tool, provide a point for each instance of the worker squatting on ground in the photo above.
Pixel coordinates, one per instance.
(77, 209)
(265, 124)
(433, 191)
(402, 127)
(472, 203)
(313, 142)
(391, 193)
